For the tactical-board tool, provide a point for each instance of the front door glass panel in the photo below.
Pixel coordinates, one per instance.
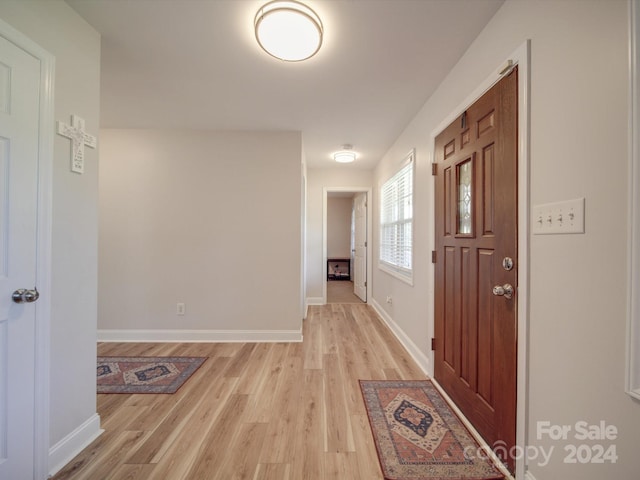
(465, 197)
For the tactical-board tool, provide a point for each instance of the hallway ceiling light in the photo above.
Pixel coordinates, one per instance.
(346, 155)
(288, 30)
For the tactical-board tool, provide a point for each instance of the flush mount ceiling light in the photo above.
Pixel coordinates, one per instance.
(288, 30)
(346, 155)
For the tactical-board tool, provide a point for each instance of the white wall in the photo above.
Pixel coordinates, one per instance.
(76, 46)
(317, 180)
(579, 147)
(210, 219)
(339, 226)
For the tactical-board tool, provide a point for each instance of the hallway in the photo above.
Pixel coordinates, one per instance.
(279, 411)
(341, 291)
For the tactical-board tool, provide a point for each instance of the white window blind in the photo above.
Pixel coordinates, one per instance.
(396, 222)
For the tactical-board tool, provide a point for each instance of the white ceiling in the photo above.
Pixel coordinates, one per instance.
(196, 64)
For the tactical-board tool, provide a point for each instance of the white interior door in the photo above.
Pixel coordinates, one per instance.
(19, 120)
(360, 244)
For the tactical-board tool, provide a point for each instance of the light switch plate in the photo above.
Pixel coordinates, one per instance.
(559, 218)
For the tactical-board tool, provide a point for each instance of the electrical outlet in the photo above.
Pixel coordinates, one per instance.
(180, 308)
(389, 299)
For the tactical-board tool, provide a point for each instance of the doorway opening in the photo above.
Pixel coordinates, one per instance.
(24, 389)
(476, 248)
(346, 251)
(520, 58)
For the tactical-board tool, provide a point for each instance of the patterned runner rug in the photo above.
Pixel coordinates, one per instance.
(417, 435)
(145, 374)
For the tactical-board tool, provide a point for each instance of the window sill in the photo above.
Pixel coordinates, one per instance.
(394, 273)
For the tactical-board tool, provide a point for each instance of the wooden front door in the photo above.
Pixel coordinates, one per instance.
(476, 235)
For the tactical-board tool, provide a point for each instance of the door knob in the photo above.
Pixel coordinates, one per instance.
(22, 295)
(505, 290)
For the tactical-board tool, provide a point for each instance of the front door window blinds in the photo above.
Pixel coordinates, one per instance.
(396, 222)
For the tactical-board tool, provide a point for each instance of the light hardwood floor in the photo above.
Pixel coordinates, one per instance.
(341, 291)
(266, 411)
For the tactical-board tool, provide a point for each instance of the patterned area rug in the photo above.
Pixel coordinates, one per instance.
(145, 374)
(417, 435)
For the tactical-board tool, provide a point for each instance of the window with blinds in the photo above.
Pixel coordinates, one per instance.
(396, 222)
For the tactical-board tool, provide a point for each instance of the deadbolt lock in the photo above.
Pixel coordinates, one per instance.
(507, 263)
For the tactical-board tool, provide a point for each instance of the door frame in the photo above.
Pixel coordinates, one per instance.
(521, 58)
(632, 384)
(43, 239)
(325, 192)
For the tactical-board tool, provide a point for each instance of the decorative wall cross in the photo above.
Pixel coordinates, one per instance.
(79, 138)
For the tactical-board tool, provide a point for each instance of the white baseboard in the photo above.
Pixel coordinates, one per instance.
(315, 301)
(420, 358)
(71, 445)
(200, 336)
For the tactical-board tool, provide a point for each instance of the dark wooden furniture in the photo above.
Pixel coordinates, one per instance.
(338, 269)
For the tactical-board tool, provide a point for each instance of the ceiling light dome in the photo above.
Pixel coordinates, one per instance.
(288, 30)
(346, 155)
